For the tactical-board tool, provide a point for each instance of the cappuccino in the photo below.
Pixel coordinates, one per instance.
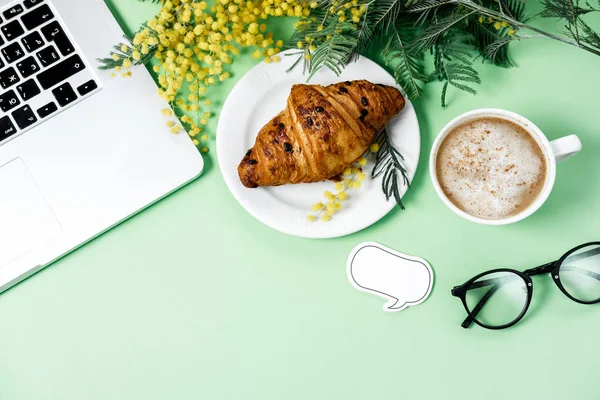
(491, 168)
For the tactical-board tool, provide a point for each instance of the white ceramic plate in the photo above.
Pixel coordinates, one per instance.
(259, 96)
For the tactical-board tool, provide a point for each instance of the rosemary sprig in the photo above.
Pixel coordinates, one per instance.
(389, 163)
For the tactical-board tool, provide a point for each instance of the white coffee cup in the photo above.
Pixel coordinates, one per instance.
(555, 151)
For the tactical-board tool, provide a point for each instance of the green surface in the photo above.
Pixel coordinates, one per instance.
(194, 299)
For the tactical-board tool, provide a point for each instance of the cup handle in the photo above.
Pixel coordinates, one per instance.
(565, 147)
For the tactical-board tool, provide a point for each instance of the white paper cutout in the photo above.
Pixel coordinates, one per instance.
(402, 279)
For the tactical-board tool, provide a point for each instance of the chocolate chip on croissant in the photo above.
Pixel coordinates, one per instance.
(322, 131)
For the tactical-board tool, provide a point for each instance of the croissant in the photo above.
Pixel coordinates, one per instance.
(320, 133)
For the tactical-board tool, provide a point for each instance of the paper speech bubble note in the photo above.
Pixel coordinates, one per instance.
(402, 279)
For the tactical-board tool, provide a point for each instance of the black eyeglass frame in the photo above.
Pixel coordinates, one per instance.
(552, 267)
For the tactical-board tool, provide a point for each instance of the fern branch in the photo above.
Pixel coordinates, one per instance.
(386, 14)
(406, 65)
(433, 33)
(451, 65)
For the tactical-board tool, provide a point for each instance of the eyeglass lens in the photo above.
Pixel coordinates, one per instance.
(580, 273)
(497, 298)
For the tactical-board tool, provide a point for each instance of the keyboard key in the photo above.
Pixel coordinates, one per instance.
(7, 128)
(28, 67)
(24, 117)
(54, 32)
(13, 12)
(51, 30)
(48, 56)
(64, 44)
(47, 110)
(37, 17)
(87, 87)
(31, 3)
(12, 30)
(8, 77)
(60, 72)
(64, 94)
(28, 89)
(13, 52)
(33, 41)
(8, 100)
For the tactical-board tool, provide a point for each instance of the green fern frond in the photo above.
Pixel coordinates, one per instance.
(385, 14)
(454, 31)
(497, 51)
(335, 46)
(513, 8)
(406, 64)
(427, 11)
(452, 65)
(492, 43)
(366, 30)
(563, 9)
(589, 37)
(457, 45)
(427, 5)
(436, 30)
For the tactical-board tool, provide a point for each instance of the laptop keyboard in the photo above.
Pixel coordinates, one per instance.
(42, 70)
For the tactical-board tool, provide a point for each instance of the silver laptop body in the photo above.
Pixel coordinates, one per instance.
(79, 151)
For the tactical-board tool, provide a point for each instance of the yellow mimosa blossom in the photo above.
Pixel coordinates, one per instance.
(192, 46)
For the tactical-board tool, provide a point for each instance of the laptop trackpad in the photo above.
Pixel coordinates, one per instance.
(26, 220)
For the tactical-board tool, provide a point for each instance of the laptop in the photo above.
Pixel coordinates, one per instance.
(79, 151)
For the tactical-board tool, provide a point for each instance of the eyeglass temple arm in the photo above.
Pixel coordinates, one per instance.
(581, 256)
(470, 318)
(583, 271)
(585, 254)
(495, 284)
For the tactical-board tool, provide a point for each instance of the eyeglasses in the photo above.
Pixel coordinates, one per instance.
(499, 298)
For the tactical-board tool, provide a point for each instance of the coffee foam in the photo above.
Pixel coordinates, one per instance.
(491, 168)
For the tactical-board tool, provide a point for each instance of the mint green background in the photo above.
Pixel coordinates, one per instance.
(194, 299)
